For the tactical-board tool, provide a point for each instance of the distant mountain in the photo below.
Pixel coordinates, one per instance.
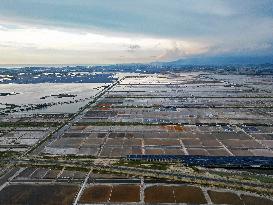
(220, 60)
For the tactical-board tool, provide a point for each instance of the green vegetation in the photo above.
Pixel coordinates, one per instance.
(195, 169)
(245, 176)
(67, 157)
(195, 97)
(143, 164)
(9, 154)
(80, 169)
(108, 123)
(29, 124)
(49, 166)
(263, 179)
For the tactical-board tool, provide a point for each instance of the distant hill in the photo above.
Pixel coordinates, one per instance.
(230, 60)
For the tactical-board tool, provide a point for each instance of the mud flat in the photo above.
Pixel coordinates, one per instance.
(96, 194)
(225, 198)
(38, 194)
(189, 194)
(125, 193)
(159, 194)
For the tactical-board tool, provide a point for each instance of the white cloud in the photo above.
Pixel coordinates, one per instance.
(41, 43)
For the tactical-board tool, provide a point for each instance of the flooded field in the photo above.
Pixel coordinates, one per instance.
(49, 97)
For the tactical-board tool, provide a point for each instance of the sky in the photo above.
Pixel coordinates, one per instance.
(124, 31)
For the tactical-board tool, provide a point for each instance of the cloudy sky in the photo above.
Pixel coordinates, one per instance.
(122, 31)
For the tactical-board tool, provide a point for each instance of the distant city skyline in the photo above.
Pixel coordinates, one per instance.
(120, 31)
